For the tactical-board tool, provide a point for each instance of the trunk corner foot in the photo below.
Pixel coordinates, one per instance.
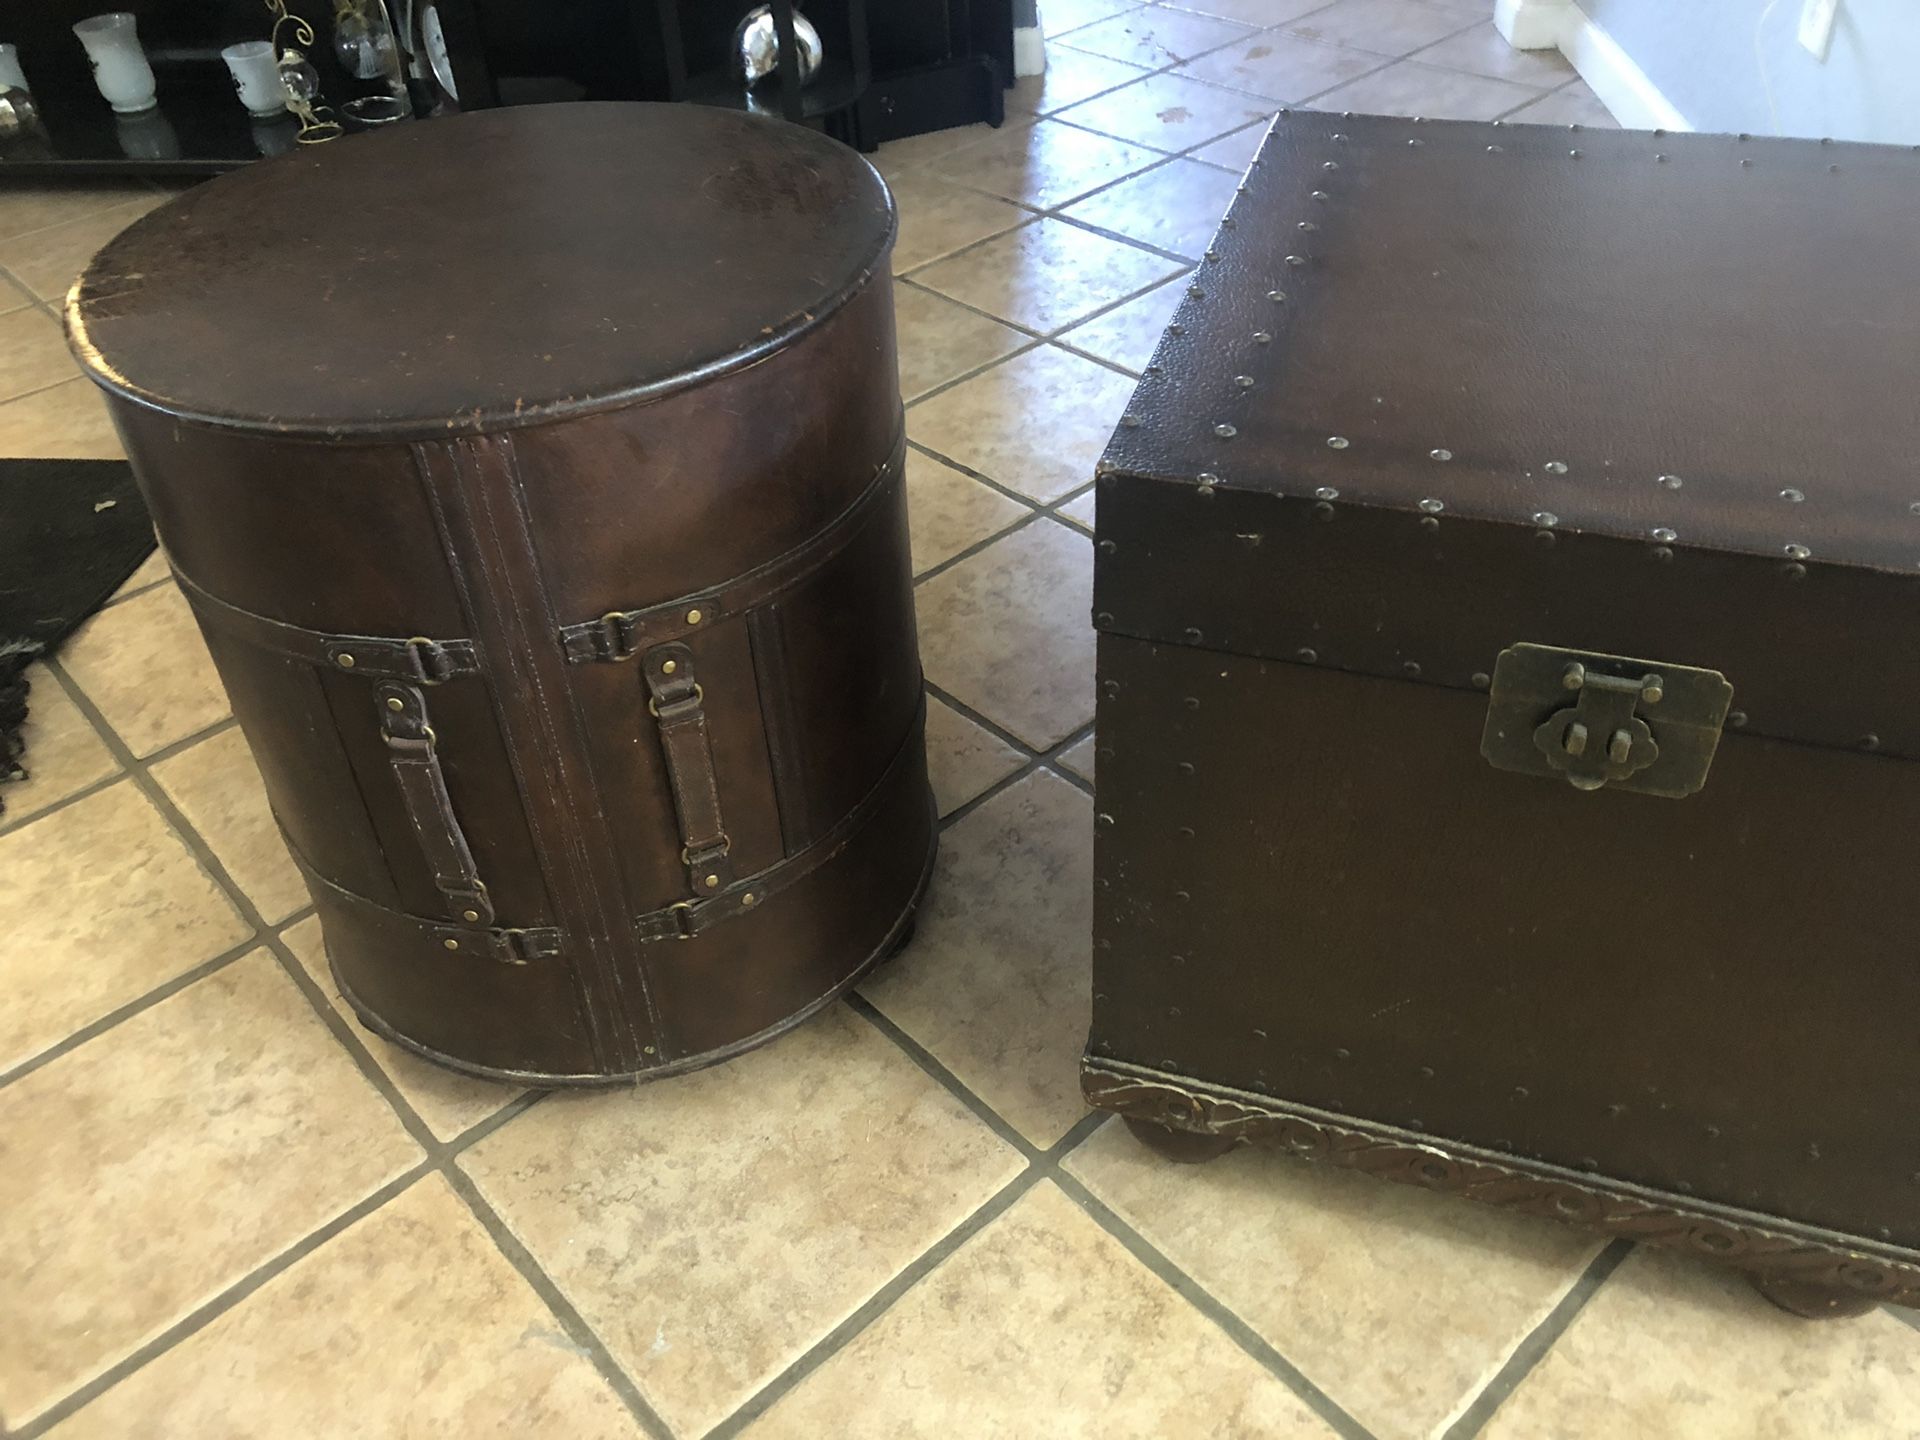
(1811, 1300)
(1187, 1147)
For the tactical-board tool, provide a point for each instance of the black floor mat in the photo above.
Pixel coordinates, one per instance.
(71, 532)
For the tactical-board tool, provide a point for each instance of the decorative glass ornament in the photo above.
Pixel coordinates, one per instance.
(756, 47)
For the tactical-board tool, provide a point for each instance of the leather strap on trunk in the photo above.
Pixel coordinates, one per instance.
(509, 945)
(674, 698)
(622, 634)
(416, 660)
(423, 788)
(687, 918)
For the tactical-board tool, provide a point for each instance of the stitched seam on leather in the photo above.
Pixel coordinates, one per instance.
(601, 906)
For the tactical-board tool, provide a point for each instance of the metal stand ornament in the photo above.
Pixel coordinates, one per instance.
(756, 47)
(300, 80)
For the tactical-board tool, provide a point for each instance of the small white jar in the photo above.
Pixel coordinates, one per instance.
(256, 75)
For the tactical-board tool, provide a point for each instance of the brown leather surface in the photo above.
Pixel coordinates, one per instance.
(548, 779)
(488, 270)
(1311, 885)
(1343, 905)
(1738, 315)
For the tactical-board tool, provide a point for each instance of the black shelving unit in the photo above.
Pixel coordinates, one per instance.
(891, 69)
(199, 126)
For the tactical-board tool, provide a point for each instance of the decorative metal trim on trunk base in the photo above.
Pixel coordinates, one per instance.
(1778, 1253)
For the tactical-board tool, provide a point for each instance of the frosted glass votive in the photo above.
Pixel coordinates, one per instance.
(256, 76)
(120, 68)
(12, 77)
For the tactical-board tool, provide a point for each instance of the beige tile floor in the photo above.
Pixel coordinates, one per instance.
(225, 1210)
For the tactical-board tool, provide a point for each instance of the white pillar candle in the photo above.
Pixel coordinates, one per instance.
(120, 67)
(257, 77)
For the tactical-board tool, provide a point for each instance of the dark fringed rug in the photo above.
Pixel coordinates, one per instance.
(71, 532)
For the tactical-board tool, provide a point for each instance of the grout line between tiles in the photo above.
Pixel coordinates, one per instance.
(571, 1320)
(938, 1071)
(437, 1155)
(114, 1018)
(877, 1304)
(54, 807)
(1216, 1310)
(1531, 1350)
(205, 1314)
(127, 595)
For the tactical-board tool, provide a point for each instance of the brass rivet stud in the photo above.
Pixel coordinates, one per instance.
(1545, 519)
(469, 915)
(450, 943)
(1665, 535)
(1796, 551)
(1296, 259)
(749, 900)
(713, 882)
(694, 617)
(1279, 297)
(1262, 337)
(1793, 496)
(1670, 482)
(1573, 154)
(1338, 442)
(345, 662)
(1555, 467)
(647, 1050)
(1245, 382)
(1494, 149)
(1439, 454)
(1432, 506)
(1306, 655)
(1326, 492)
(1226, 431)
(394, 702)
(667, 667)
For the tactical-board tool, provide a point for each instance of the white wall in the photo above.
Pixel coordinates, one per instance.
(1732, 65)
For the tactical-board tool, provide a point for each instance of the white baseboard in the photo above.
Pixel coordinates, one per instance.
(1029, 51)
(1616, 77)
(1612, 74)
(1532, 24)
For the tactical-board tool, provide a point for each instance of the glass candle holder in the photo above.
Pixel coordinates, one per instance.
(12, 77)
(256, 76)
(120, 68)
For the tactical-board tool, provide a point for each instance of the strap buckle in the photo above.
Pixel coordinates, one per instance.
(698, 695)
(683, 919)
(430, 663)
(611, 637)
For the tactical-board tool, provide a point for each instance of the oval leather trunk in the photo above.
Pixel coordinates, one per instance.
(536, 478)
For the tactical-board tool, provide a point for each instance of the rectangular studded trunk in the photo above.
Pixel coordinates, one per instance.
(1507, 578)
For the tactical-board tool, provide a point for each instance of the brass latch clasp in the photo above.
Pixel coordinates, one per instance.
(1599, 737)
(1633, 724)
